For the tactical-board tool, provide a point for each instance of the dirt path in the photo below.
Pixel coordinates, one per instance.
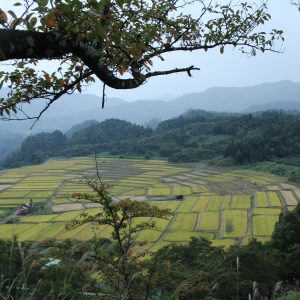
(249, 232)
(55, 194)
(167, 230)
(222, 226)
(197, 225)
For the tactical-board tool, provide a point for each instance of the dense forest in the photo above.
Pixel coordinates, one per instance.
(192, 137)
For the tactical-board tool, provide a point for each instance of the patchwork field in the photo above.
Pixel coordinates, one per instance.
(227, 206)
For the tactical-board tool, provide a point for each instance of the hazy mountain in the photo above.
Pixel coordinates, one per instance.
(237, 99)
(213, 99)
(9, 143)
(280, 105)
(75, 109)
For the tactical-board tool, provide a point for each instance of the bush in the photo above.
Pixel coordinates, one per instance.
(291, 296)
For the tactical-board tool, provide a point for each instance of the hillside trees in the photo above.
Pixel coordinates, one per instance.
(37, 148)
(117, 41)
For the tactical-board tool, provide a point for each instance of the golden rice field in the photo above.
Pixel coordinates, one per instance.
(227, 206)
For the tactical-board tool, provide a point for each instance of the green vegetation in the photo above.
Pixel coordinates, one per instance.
(198, 213)
(235, 223)
(291, 296)
(210, 221)
(201, 203)
(189, 204)
(261, 200)
(274, 199)
(185, 222)
(195, 136)
(215, 203)
(230, 221)
(241, 202)
(159, 191)
(183, 236)
(264, 225)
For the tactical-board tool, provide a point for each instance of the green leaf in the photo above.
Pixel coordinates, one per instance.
(12, 14)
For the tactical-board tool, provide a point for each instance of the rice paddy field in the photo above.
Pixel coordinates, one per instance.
(227, 206)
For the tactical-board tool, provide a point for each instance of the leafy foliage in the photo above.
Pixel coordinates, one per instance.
(286, 232)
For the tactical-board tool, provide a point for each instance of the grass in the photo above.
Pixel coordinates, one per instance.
(185, 222)
(261, 200)
(159, 245)
(172, 205)
(235, 223)
(215, 203)
(181, 190)
(12, 194)
(224, 243)
(90, 231)
(72, 234)
(62, 200)
(188, 204)
(7, 231)
(264, 225)
(219, 178)
(149, 178)
(149, 235)
(13, 201)
(201, 204)
(200, 189)
(183, 236)
(67, 216)
(38, 218)
(162, 191)
(241, 202)
(139, 192)
(160, 224)
(51, 231)
(210, 221)
(39, 195)
(274, 199)
(33, 233)
(227, 202)
(266, 211)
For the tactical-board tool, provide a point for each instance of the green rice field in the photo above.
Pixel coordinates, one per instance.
(227, 206)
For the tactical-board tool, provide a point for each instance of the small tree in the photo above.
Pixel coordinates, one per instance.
(122, 271)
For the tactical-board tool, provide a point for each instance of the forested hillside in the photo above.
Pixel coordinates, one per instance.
(194, 136)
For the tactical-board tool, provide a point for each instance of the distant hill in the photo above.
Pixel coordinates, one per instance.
(280, 105)
(219, 99)
(191, 137)
(77, 108)
(79, 127)
(237, 99)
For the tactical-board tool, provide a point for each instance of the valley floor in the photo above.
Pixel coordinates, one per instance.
(227, 206)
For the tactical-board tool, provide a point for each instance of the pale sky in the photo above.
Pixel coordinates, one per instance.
(232, 69)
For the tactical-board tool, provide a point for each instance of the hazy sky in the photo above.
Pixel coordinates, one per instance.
(230, 69)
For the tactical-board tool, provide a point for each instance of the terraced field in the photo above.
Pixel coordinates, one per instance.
(225, 205)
